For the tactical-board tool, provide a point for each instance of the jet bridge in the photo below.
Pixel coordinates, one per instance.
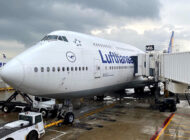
(172, 69)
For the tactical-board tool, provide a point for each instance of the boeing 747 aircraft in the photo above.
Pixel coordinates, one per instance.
(66, 65)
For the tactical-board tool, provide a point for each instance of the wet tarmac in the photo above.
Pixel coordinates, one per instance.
(118, 121)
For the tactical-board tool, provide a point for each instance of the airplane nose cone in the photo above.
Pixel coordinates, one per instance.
(13, 73)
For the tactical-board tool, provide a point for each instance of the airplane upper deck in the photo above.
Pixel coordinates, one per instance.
(65, 35)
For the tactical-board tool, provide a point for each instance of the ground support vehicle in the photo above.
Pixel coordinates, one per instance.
(30, 126)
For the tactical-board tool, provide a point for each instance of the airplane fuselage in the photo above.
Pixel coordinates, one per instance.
(77, 65)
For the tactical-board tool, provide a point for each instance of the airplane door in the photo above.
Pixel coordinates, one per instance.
(97, 73)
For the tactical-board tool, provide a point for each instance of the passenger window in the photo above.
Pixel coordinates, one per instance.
(86, 68)
(48, 69)
(63, 68)
(35, 69)
(42, 69)
(38, 119)
(79, 68)
(67, 68)
(71, 68)
(75, 68)
(83, 68)
(58, 69)
(53, 69)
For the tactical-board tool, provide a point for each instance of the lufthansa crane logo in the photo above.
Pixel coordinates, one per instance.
(71, 56)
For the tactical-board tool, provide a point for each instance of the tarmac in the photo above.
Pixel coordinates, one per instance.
(129, 119)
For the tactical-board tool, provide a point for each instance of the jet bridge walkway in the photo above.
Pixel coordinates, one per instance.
(172, 69)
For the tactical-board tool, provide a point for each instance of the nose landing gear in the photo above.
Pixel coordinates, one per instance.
(66, 112)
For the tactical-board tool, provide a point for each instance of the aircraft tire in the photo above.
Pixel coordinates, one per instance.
(33, 135)
(69, 118)
(6, 109)
(44, 113)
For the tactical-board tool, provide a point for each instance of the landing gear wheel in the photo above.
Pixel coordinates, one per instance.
(6, 109)
(32, 136)
(69, 118)
(44, 113)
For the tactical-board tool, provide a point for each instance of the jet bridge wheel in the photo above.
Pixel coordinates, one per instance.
(69, 118)
(162, 108)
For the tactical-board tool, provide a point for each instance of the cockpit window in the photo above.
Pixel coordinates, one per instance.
(64, 38)
(45, 38)
(52, 37)
(55, 37)
(60, 38)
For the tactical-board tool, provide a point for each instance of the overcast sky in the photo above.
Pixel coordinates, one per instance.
(137, 22)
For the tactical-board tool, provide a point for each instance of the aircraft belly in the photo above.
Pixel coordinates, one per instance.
(87, 92)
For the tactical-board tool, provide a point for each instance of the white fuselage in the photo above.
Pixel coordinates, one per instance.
(3, 61)
(80, 66)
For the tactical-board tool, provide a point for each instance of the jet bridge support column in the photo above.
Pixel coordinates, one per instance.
(152, 68)
(156, 92)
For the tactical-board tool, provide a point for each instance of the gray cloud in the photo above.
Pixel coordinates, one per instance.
(158, 37)
(27, 21)
(125, 8)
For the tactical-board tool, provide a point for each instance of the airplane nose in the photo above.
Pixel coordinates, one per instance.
(13, 73)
